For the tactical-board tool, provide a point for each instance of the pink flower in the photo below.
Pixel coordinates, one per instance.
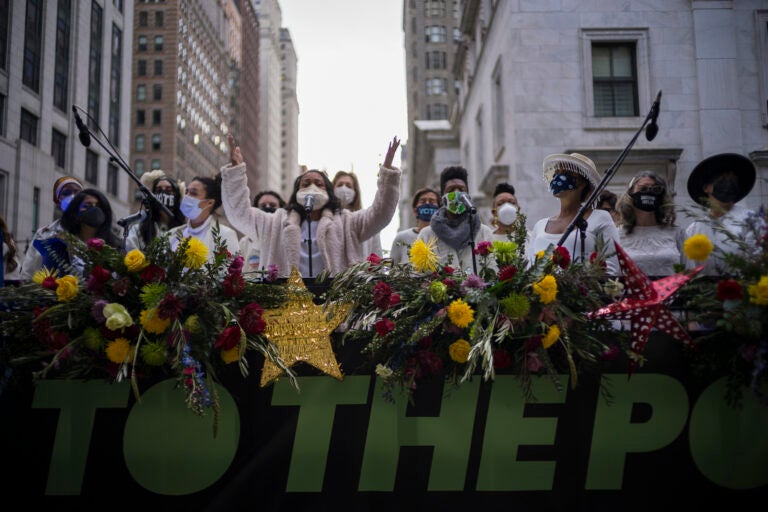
(97, 244)
(384, 326)
(236, 266)
(484, 248)
(373, 259)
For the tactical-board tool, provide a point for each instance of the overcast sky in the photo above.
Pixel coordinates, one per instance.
(351, 86)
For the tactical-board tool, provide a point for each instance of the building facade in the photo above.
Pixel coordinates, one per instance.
(289, 130)
(541, 78)
(55, 56)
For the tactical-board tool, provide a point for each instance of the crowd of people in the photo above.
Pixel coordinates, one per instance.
(323, 226)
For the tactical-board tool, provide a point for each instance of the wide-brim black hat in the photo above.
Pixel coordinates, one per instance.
(709, 168)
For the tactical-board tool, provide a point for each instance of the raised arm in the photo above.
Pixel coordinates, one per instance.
(391, 151)
(235, 195)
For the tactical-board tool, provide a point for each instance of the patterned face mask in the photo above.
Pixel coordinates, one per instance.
(453, 203)
(562, 182)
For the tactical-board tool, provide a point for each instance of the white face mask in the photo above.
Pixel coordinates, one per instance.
(190, 207)
(507, 213)
(321, 196)
(345, 194)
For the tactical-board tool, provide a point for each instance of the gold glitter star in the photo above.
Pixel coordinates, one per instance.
(301, 331)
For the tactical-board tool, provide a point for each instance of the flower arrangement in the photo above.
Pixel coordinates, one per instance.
(730, 311)
(424, 318)
(147, 313)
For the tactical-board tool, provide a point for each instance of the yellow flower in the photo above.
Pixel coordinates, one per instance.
(553, 334)
(697, 248)
(192, 324)
(540, 254)
(119, 350)
(459, 350)
(546, 289)
(758, 293)
(196, 254)
(117, 316)
(460, 313)
(422, 255)
(67, 288)
(231, 355)
(135, 261)
(153, 353)
(41, 274)
(153, 323)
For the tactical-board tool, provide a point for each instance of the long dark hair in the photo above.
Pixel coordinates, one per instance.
(333, 202)
(147, 229)
(10, 257)
(664, 213)
(70, 221)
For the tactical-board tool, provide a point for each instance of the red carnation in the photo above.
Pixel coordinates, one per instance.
(507, 272)
(429, 362)
(561, 257)
(153, 273)
(593, 259)
(101, 274)
(394, 299)
(384, 326)
(251, 320)
(170, 307)
(50, 283)
(501, 359)
(229, 338)
(484, 248)
(97, 244)
(381, 295)
(233, 285)
(729, 289)
(373, 259)
(449, 270)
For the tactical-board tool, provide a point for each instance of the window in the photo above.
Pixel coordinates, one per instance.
(143, 18)
(35, 208)
(497, 109)
(61, 65)
(33, 44)
(434, 8)
(457, 35)
(616, 71)
(479, 156)
(5, 11)
(28, 129)
(435, 34)
(138, 167)
(437, 111)
(761, 30)
(115, 80)
(158, 67)
(141, 117)
(436, 60)
(141, 67)
(91, 167)
(159, 43)
(112, 179)
(614, 80)
(141, 92)
(140, 143)
(157, 92)
(436, 86)
(59, 148)
(142, 43)
(156, 142)
(159, 18)
(2, 114)
(94, 64)
(157, 117)
(155, 164)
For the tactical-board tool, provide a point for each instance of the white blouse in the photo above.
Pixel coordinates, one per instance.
(654, 249)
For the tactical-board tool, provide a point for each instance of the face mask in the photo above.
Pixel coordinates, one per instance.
(346, 195)
(93, 217)
(64, 202)
(562, 182)
(645, 201)
(268, 209)
(190, 207)
(726, 189)
(166, 199)
(321, 196)
(507, 213)
(424, 212)
(453, 203)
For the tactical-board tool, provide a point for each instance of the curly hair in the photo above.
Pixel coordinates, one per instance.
(664, 213)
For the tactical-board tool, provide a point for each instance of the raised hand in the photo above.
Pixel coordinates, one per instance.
(234, 151)
(391, 150)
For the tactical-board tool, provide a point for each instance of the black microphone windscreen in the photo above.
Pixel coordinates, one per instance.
(651, 130)
(85, 138)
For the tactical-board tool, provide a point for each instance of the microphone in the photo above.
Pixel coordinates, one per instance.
(464, 197)
(85, 135)
(309, 202)
(131, 219)
(652, 129)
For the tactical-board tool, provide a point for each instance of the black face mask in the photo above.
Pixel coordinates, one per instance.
(93, 217)
(726, 189)
(645, 201)
(268, 209)
(166, 199)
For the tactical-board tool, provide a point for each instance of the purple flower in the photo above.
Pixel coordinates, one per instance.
(473, 281)
(97, 311)
(272, 272)
(236, 266)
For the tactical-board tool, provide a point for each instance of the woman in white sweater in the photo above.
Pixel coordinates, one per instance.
(310, 234)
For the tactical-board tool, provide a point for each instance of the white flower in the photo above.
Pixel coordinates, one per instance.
(383, 371)
(614, 288)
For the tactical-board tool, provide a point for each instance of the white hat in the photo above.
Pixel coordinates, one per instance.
(575, 163)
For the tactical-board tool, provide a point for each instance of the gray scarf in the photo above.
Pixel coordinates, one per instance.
(454, 232)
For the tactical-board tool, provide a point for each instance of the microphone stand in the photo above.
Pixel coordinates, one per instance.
(472, 212)
(309, 238)
(114, 156)
(579, 221)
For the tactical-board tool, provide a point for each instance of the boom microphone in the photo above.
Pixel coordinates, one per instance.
(85, 135)
(652, 129)
(309, 202)
(136, 217)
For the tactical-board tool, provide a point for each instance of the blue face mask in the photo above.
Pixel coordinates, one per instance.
(563, 182)
(64, 202)
(424, 212)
